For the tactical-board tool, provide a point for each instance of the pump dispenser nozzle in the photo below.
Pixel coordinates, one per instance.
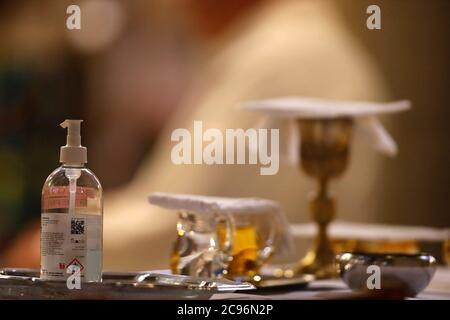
(73, 152)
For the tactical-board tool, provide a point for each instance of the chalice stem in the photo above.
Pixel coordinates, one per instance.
(320, 259)
(323, 212)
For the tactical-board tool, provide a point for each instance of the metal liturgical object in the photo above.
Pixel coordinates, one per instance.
(321, 140)
(324, 151)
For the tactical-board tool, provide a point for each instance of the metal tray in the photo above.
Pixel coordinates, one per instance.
(26, 284)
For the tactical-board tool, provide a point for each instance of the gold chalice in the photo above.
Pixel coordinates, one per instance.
(326, 128)
(324, 152)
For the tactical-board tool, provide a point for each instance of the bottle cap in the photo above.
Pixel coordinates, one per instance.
(73, 152)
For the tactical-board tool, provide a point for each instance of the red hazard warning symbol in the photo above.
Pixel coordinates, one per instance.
(75, 262)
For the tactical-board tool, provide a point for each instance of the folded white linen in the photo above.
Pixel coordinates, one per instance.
(207, 204)
(372, 231)
(282, 113)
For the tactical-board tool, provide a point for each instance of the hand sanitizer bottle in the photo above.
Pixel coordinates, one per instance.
(72, 215)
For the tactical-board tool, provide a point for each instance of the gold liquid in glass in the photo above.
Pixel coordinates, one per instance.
(245, 253)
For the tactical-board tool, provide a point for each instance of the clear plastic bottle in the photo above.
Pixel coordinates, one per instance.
(72, 215)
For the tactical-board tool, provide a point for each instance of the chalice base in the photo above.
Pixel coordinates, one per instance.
(320, 263)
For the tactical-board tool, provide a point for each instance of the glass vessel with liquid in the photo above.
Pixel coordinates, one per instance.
(256, 238)
(197, 250)
(72, 216)
(214, 242)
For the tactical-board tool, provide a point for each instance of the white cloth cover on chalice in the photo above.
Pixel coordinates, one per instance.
(200, 204)
(281, 113)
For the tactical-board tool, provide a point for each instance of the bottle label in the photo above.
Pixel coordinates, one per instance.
(58, 197)
(68, 239)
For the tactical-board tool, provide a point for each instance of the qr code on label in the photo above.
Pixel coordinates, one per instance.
(77, 226)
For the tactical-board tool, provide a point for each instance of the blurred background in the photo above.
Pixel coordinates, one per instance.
(133, 64)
